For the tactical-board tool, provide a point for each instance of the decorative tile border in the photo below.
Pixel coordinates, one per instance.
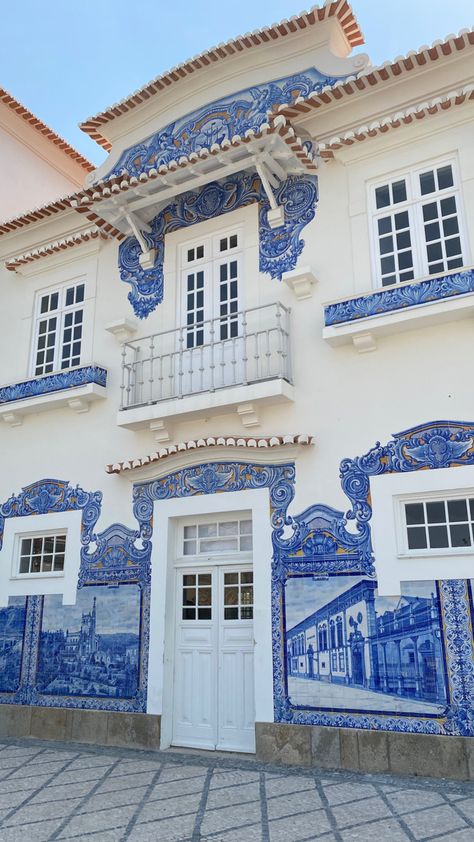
(388, 300)
(54, 383)
(279, 247)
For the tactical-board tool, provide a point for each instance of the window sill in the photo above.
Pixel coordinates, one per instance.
(23, 577)
(76, 388)
(361, 319)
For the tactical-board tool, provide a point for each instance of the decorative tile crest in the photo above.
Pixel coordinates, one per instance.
(54, 495)
(389, 300)
(223, 119)
(54, 383)
(279, 247)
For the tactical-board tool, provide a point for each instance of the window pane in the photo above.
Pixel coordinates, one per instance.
(189, 531)
(386, 244)
(189, 613)
(204, 613)
(231, 596)
(416, 538)
(231, 578)
(58, 563)
(246, 543)
(231, 613)
(189, 596)
(450, 226)
(430, 211)
(434, 252)
(204, 596)
(448, 206)
(36, 564)
(207, 530)
(385, 225)
(460, 535)
(223, 545)
(246, 595)
(471, 508)
(24, 565)
(25, 546)
(399, 192)
(60, 543)
(438, 536)
(436, 512)
(457, 510)
(204, 579)
(427, 182)
(445, 177)
(245, 527)
(453, 246)
(189, 579)
(382, 196)
(47, 563)
(414, 513)
(246, 577)
(189, 548)
(233, 241)
(246, 612)
(230, 527)
(387, 265)
(432, 231)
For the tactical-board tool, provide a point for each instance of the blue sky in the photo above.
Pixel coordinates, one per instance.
(66, 61)
(112, 603)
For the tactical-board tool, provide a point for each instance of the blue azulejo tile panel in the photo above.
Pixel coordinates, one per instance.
(12, 632)
(388, 299)
(54, 383)
(92, 648)
(348, 649)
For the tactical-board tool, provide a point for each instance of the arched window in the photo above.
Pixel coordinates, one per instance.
(332, 634)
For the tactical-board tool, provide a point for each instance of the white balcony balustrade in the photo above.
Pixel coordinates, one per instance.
(243, 348)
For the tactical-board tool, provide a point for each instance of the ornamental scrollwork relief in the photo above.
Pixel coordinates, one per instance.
(279, 247)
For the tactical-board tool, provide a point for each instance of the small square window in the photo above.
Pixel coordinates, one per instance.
(42, 554)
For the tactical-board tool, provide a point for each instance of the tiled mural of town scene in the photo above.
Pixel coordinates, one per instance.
(349, 649)
(12, 629)
(91, 648)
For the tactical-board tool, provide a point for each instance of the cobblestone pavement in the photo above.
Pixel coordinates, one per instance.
(51, 791)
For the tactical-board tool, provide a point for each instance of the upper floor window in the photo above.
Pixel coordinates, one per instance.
(58, 330)
(41, 554)
(439, 523)
(210, 282)
(225, 536)
(417, 226)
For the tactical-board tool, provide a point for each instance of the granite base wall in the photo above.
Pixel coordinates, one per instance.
(366, 751)
(129, 730)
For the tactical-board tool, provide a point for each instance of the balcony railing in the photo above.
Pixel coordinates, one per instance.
(245, 347)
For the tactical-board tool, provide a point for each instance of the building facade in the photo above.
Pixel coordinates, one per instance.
(270, 272)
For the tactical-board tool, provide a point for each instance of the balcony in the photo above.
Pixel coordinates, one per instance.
(236, 362)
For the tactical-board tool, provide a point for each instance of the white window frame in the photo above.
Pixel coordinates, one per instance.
(65, 583)
(60, 313)
(394, 567)
(52, 574)
(413, 205)
(436, 552)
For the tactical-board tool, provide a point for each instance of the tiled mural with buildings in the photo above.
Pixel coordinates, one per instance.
(347, 647)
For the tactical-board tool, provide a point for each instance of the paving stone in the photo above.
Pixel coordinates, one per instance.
(232, 778)
(63, 791)
(407, 800)
(230, 818)
(300, 802)
(253, 833)
(467, 808)
(240, 794)
(343, 793)
(182, 787)
(130, 795)
(98, 820)
(35, 832)
(118, 783)
(168, 807)
(47, 810)
(167, 830)
(175, 772)
(295, 828)
(387, 829)
(360, 811)
(287, 785)
(434, 821)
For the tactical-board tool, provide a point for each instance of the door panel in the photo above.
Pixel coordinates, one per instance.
(213, 681)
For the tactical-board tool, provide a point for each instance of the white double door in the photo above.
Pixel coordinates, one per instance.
(213, 704)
